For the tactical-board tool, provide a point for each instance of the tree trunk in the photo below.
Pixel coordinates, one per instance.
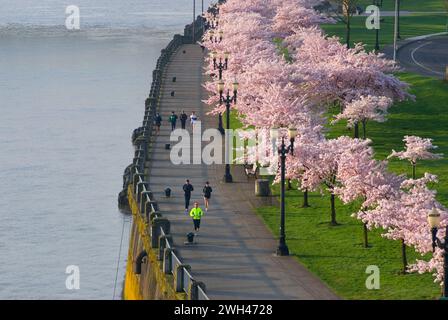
(404, 257)
(305, 199)
(366, 236)
(333, 211)
(348, 28)
(356, 130)
(289, 184)
(364, 124)
(414, 173)
(398, 21)
(346, 6)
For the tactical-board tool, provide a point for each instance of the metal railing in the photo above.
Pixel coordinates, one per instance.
(152, 226)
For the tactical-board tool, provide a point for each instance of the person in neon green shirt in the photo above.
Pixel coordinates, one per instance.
(196, 213)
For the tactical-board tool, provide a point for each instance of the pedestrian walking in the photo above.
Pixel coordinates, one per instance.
(183, 119)
(188, 188)
(196, 213)
(173, 119)
(207, 192)
(193, 119)
(158, 122)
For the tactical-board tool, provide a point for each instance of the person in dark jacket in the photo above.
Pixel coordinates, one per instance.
(183, 119)
(158, 122)
(188, 188)
(207, 192)
(173, 120)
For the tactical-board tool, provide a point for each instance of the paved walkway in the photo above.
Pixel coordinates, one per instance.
(427, 57)
(234, 255)
(423, 55)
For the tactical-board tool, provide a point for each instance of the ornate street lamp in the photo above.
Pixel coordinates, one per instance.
(221, 65)
(216, 38)
(282, 249)
(228, 100)
(214, 23)
(434, 223)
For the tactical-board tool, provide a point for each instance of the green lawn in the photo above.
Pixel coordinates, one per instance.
(410, 26)
(335, 254)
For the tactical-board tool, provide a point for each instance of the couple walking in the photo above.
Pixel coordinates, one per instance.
(173, 119)
(196, 213)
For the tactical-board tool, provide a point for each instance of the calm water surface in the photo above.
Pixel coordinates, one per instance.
(69, 101)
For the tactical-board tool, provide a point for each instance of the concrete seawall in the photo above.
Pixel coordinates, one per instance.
(153, 270)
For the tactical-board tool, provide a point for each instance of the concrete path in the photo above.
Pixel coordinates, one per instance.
(234, 255)
(425, 55)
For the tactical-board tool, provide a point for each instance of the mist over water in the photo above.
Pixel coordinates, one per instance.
(69, 101)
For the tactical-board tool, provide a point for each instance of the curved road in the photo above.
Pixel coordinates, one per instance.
(427, 57)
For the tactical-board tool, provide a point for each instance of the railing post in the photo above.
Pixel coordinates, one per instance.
(167, 261)
(153, 206)
(156, 224)
(163, 239)
(135, 180)
(193, 293)
(179, 276)
(151, 216)
(146, 197)
(140, 189)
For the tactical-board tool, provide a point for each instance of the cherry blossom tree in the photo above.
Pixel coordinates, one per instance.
(416, 148)
(364, 109)
(321, 165)
(366, 179)
(294, 14)
(404, 215)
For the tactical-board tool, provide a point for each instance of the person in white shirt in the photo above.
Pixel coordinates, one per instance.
(193, 119)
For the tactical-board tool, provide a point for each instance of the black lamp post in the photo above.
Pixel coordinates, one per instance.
(220, 65)
(282, 249)
(203, 17)
(228, 100)
(214, 38)
(377, 30)
(220, 126)
(194, 22)
(434, 222)
(214, 23)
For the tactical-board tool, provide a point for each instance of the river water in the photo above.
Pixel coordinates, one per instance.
(69, 101)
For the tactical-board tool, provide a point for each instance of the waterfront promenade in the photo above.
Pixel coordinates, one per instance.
(234, 254)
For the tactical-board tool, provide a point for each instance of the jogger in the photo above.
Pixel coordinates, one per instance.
(207, 192)
(188, 188)
(196, 213)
